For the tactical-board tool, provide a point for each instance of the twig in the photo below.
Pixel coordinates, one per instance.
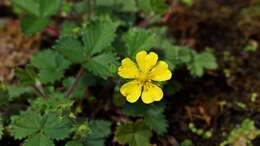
(75, 82)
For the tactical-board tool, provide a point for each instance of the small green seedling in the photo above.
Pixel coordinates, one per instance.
(243, 135)
(200, 132)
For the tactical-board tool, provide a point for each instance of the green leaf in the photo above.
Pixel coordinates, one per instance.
(121, 5)
(187, 2)
(99, 131)
(157, 6)
(68, 28)
(137, 39)
(30, 124)
(39, 140)
(26, 76)
(103, 65)
(200, 62)
(156, 120)
(74, 143)
(31, 24)
(133, 134)
(30, 6)
(51, 65)
(15, 92)
(99, 34)
(26, 124)
(71, 49)
(152, 114)
(49, 7)
(56, 127)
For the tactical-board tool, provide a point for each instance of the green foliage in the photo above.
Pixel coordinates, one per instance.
(152, 114)
(16, 91)
(94, 36)
(197, 63)
(201, 62)
(187, 142)
(157, 6)
(137, 39)
(187, 2)
(200, 132)
(38, 13)
(120, 5)
(1, 127)
(102, 65)
(72, 49)
(94, 53)
(98, 35)
(100, 130)
(40, 130)
(245, 133)
(51, 65)
(133, 134)
(31, 24)
(26, 76)
(74, 143)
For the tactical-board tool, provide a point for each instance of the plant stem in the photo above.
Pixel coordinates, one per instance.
(75, 82)
(39, 90)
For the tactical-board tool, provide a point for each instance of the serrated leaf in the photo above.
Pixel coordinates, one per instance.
(15, 91)
(39, 140)
(56, 127)
(30, 6)
(31, 24)
(133, 134)
(137, 39)
(26, 124)
(49, 7)
(152, 114)
(102, 65)
(71, 49)
(99, 131)
(51, 65)
(98, 35)
(156, 120)
(74, 143)
(29, 124)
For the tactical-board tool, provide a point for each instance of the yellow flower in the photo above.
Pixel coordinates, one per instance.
(147, 70)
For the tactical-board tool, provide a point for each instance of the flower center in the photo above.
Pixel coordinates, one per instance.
(142, 77)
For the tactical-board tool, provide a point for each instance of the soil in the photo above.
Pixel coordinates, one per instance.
(217, 24)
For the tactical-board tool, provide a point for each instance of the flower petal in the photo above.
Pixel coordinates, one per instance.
(128, 69)
(160, 72)
(146, 61)
(131, 90)
(151, 93)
